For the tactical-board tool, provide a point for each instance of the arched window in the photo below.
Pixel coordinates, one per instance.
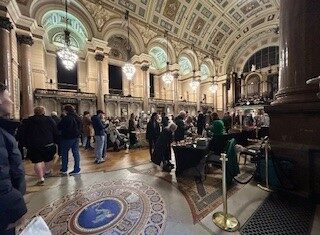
(253, 85)
(204, 72)
(265, 57)
(185, 65)
(159, 58)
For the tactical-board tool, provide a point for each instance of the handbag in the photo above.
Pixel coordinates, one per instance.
(37, 226)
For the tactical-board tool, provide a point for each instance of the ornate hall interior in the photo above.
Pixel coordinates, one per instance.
(251, 66)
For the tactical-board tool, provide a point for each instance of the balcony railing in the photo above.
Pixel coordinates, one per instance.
(114, 97)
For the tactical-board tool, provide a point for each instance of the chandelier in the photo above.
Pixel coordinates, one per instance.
(167, 78)
(214, 86)
(194, 84)
(66, 54)
(128, 69)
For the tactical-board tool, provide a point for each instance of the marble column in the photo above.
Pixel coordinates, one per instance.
(146, 84)
(5, 52)
(100, 96)
(295, 114)
(25, 42)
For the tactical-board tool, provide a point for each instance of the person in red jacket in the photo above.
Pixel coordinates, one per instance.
(12, 181)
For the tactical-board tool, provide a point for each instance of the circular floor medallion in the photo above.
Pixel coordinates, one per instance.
(115, 207)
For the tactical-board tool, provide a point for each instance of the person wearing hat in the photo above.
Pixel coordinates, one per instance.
(100, 136)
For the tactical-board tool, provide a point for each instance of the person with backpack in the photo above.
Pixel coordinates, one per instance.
(70, 127)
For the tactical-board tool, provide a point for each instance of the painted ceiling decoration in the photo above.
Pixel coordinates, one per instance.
(215, 28)
(206, 23)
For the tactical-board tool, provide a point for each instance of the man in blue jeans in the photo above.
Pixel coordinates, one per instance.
(70, 127)
(100, 136)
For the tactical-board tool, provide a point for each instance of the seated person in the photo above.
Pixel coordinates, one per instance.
(162, 148)
(117, 139)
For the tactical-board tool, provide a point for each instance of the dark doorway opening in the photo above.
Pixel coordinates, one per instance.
(67, 79)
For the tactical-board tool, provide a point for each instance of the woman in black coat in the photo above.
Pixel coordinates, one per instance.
(162, 149)
(153, 132)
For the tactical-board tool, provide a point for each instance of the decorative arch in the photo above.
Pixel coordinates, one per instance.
(117, 27)
(38, 9)
(254, 37)
(252, 82)
(185, 65)
(54, 23)
(159, 57)
(192, 56)
(162, 43)
(118, 45)
(248, 52)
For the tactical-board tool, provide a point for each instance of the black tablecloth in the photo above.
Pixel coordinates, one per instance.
(189, 157)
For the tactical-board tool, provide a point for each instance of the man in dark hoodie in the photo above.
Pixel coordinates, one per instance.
(70, 127)
(40, 139)
(12, 182)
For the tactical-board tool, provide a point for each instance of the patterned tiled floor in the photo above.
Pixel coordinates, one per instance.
(177, 217)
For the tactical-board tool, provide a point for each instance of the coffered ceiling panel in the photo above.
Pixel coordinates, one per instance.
(213, 26)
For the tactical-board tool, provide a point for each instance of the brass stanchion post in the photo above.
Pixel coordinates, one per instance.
(266, 153)
(223, 219)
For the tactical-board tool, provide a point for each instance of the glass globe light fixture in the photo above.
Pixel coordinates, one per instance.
(213, 88)
(129, 70)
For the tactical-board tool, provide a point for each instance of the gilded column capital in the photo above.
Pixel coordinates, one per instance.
(25, 39)
(5, 23)
(99, 56)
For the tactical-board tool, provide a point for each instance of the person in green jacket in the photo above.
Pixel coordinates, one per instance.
(217, 126)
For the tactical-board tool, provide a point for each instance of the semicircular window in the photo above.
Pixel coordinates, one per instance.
(185, 65)
(54, 23)
(263, 58)
(204, 72)
(159, 58)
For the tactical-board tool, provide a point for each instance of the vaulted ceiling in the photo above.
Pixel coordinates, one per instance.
(218, 28)
(212, 25)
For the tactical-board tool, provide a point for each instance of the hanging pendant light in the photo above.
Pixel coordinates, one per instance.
(194, 84)
(167, 78)
(128, 69)
(68, 57)
(214, 86)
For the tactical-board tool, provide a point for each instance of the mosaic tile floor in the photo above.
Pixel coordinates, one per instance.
(66, 203)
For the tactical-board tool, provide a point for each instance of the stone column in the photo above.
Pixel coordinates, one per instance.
(295, 114)
(146, 84)
(25, 42)
(5, 52)
(175, 93)
(99, 56)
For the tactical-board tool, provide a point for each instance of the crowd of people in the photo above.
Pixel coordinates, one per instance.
(45, 136)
